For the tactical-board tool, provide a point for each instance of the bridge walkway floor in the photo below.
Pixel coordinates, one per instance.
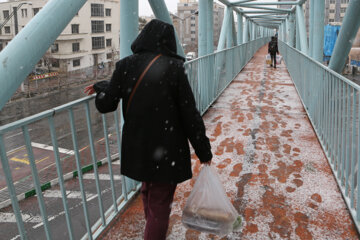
(270, 162)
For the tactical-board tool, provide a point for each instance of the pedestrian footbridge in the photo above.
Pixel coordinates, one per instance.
(285, 140)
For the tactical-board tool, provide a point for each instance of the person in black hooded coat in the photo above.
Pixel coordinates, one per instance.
(159, 121)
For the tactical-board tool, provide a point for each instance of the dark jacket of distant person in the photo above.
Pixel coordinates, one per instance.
(273, 46)
(162, 116)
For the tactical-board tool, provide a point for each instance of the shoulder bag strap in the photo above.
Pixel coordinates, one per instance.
(140, 79)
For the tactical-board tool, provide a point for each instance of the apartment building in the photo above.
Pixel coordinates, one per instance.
(90, 39)
(186, 23)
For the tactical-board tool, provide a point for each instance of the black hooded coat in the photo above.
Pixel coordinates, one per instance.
(162, 115)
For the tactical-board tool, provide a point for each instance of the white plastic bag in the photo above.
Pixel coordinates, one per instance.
(208, 209)
(278, 59)
(268, 59)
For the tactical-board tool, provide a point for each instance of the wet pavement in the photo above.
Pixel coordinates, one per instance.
(270, 163)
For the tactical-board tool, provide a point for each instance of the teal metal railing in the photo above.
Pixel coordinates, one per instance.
(211, 74)
(208, 77)
(332, 103)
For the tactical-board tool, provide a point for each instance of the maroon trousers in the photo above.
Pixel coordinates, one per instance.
(157, 199)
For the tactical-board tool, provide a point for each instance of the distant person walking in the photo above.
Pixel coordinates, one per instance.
(272, 50)
(160, 117)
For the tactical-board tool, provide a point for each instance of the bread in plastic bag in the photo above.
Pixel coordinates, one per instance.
(208, 209)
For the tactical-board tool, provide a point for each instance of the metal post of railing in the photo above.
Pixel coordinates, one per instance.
(210, 28)
(349, 28)
(302, 29)
(311, 26)
(36, 180)
(318, 30)
(161, 12)
(129, 23)
(60, 175)
(353, 147)
(202, 27)
(108, 154)
(118, 137)
(10, 184)
(291, 30)
(229, 30)
(239, 28)
(246, 31)
(79, 172)
(297, 34)
(94, 161)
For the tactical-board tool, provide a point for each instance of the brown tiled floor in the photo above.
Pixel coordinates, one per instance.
(270, 162)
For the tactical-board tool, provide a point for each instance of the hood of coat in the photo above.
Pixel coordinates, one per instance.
(157, 37)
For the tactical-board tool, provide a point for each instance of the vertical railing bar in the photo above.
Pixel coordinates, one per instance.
(107, 147)
(79, 171)
(118, 136)
(36, 181)
(93, 156)
(343, 135)
(332, 121)
(353, 147)
(338, 140)
(326, 116)
(11, 189)
(347, 144)
(60, 175)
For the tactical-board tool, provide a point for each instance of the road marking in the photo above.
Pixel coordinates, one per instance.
(15, 150)
(51, 148)
(77, 205)
(91, 176)
(69, 194)
(10, 218)
(16, 134)
(25, 160)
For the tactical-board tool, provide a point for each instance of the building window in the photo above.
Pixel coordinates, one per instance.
(98, 42)
(185, 5)
(332, 1)
(108, 12)
(36, 10)
(332, 10)
(344, 1)
(97, 26)
(76, 62)
(193, 39)
(55, 63)
(24, 13)
(76, 47)
(193, 18)
(108, 42)
(342, 10)
(108, 27)
(7, 29)
(6, 14)
(97, 10)
(193, 32)
(331, 20)
(192, 25)
(108, 55)
(55, 48)
(74, 28)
